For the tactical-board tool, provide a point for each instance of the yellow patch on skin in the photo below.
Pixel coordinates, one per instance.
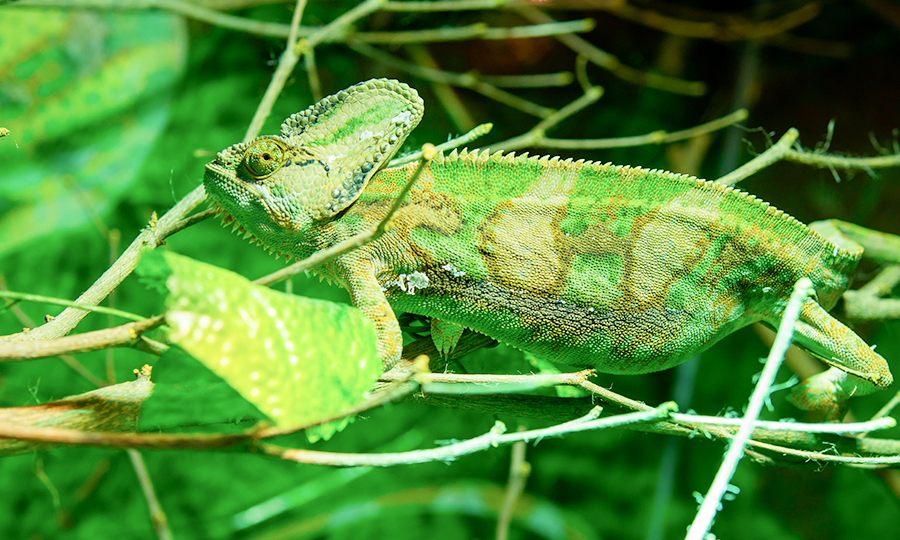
(664, 250)
(518, 245)
(552, 183)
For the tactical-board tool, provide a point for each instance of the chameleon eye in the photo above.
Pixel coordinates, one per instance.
(263, 158)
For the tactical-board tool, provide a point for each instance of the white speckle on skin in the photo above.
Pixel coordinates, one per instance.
(272, 399)
(310, 353)
(369, 134)
(203, 321)
(197, 335)
(277, 412)
(293, 359)
(409, 283)
(254, 392)
(217, 325)
(254, 376)
(224, 361)
(362, 364)
(403, 117)
(228, 345)
(297, 375)
(453, 271)
(273, 383)
(210, 338)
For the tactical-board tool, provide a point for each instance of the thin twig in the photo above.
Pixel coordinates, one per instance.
(478, 131)
(444, 5)
(118, 336)
(704, 518)
(717, 26)
(519, 469)
(157, 515)
(537, 132)
(819, 427)
(477, 31)
(286, 64)
(493, 438)
(67, 303)
(537, 139)
(782, 150)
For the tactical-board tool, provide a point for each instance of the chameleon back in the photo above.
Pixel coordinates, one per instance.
(617, 268)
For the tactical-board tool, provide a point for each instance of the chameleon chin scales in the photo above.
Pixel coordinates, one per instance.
(616, 268)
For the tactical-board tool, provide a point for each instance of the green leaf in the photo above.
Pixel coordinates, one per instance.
(297, 360)
(181, 399)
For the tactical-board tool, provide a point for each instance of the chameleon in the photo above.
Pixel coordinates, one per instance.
(620, 269)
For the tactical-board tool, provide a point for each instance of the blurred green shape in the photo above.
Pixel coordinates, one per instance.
(84, 95)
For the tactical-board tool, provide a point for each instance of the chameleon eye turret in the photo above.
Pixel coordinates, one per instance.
(263, 158)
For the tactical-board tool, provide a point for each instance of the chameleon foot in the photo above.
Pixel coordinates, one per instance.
(830, 391)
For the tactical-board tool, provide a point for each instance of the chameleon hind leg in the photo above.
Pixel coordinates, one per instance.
(856, 369)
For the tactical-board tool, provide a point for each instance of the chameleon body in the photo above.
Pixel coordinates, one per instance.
(620, 269)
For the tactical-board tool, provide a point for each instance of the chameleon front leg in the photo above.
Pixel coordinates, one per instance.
(367, 295)
(856, 369)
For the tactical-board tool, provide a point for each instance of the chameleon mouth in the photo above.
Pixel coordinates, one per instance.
(236, 227)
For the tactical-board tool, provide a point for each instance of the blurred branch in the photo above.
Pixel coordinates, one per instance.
(716, 25)
(613, 64)
(465, 80)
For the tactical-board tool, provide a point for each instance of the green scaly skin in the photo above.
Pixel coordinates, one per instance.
(620, 269)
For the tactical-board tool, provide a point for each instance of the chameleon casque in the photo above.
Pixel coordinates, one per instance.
(620, 269)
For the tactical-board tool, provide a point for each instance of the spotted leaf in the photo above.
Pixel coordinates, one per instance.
(296, 359)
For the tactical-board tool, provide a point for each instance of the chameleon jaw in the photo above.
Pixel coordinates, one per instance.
(236, 227)
(222, 183)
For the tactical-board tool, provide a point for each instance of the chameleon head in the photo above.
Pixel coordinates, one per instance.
(318, 165)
